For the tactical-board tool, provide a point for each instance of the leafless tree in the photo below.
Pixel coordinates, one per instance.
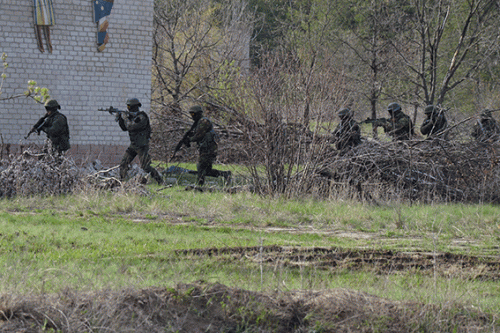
(193, 41)
(453, 40)
(369, 46)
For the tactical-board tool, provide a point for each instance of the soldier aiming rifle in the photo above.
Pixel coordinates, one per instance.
(136, 123)
(399, 126)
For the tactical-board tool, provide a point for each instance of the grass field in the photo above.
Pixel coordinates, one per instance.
(440, 255)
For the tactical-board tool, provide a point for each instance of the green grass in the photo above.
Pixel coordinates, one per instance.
(97, 240)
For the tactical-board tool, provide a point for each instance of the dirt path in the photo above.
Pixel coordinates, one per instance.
(379, 261)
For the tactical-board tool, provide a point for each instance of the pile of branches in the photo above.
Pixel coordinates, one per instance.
(454, 169)
(45, 174)
(31, 173)
(424, 170)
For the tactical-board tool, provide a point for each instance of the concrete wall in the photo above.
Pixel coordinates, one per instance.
(79, 77)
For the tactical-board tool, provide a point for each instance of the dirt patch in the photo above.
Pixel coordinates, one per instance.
(378, 261)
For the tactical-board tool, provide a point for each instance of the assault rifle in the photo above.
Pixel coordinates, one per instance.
(184, 141)
(37, 127)
(376, 122)
(112, 110)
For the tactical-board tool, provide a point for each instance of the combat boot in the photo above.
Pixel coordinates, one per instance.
(156, 176)
(227, 176)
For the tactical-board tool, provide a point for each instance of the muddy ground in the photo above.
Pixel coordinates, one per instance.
(203, 307)
(375, 261)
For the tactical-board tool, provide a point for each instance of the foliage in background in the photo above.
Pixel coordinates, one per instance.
(451, 43)
(416, 51)
(193, 41)
(314, 59)
(39, 94)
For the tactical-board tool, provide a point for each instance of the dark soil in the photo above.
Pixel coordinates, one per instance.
(379, 261)
(202, 307)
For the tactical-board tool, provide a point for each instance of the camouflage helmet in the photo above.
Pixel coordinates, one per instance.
(131, 102)
(196, 109)
(345, 113)
(393, 107)
(429, 109)
(52, 104)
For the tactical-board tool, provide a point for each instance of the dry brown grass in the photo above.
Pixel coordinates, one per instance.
(203, 307)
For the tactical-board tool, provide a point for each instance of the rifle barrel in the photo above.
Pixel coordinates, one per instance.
(112, 110)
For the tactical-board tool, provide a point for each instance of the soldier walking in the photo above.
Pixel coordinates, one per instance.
(137, 124)
(202, 132)
(55, 125)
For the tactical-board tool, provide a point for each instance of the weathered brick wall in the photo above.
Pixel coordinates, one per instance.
(77, 75)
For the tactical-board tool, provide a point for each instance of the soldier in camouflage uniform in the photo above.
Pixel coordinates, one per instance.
(55, 125)
(435, 122)
(486, 129)
(137, 124)
(202, 132)
(348, 133)
(399, 126)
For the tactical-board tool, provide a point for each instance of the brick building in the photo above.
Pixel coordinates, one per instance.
(84, 69)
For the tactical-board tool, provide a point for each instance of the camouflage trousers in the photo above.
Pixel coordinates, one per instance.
(204, 168)
(144, 158)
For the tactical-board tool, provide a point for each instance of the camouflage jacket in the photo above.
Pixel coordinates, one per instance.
(206, 138)
(138, 127)
(486, 129)
(57, 130)
(399, 127)
(347, 134)
(434, 124)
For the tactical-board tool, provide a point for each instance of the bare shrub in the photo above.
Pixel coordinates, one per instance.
(217, 308)
(30, 174)
(277, 118)
(455, 169)
(44, 174)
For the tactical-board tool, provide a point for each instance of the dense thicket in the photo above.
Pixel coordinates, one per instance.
(272, 75)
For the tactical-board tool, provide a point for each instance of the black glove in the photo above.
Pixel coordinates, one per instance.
(118, 116)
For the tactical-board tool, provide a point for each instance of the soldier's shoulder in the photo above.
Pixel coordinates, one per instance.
(59, 115)
(204, 122)
(143, 115)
